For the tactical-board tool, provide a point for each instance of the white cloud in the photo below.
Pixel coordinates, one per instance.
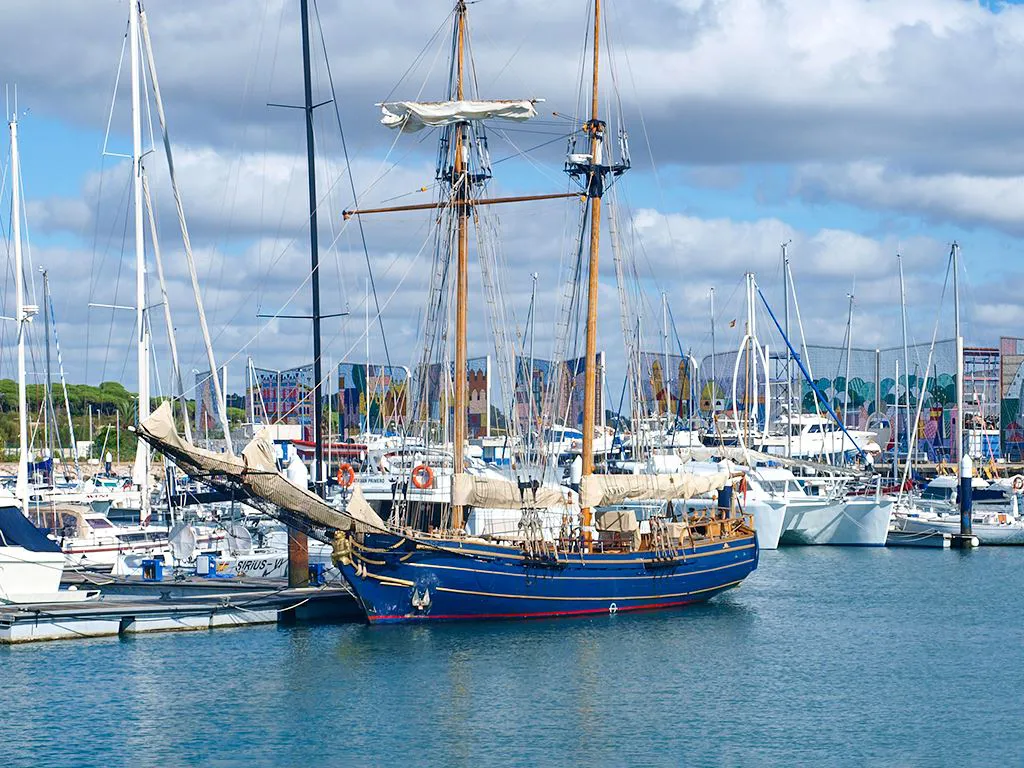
(966, 199)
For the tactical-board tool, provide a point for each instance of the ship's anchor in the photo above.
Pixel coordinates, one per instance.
(421, 602)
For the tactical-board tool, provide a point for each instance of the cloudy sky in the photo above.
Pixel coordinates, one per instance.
(852, 129)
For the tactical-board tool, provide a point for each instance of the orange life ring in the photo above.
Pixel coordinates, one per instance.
(346, 475)
(423, 477)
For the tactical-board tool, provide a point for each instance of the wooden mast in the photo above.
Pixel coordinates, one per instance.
(460, 190)
(595, 189)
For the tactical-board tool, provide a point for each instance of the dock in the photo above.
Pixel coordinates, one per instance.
(131, 606)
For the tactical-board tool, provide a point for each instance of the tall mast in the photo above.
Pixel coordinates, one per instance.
(533, 336)
(21, 314)
(751, 362)
(714, 381)
(314, 258)
(849, 350)
(664, 355)
(218, 386)
(48, 410)
(142, 450)
(460, 187)
(906, 361)
(595, 190)
(789, 354)
(955, 256)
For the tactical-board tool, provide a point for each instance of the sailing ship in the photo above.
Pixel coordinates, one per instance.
(596, 564)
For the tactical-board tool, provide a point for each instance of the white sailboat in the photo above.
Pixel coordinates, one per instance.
(31, 564)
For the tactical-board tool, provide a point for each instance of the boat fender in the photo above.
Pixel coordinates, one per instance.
(423, 477)
(1018, 482)
(346, 475)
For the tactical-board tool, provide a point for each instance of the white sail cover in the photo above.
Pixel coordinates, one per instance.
(749, 457)
(256, 471)
(412, 116)
(493, 493)
(602, 490)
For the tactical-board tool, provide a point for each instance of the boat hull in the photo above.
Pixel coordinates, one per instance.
(989, 534)
(24, 572)
(397, 579)
(849, 523)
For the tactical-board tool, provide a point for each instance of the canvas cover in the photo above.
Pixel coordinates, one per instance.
(604, 490)
(494, 493)
(619, 523)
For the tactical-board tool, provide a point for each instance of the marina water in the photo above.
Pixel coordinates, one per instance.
(823, 657)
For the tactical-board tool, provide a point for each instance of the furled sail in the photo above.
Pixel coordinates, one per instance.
(749, 457)
(412, 116)
(471, 490)
(256, 471)
(601, 490)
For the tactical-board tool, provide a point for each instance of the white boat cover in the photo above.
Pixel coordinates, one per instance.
(490, 492)
(412, 116)
(256, 471)
(602, 490)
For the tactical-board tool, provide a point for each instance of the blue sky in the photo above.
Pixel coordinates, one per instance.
(854, 128)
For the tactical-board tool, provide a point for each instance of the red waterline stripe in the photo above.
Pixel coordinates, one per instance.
(542, 615)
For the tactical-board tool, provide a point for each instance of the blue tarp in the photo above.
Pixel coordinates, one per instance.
(17, 531)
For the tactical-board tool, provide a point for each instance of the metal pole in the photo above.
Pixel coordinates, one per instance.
(714, 381)
(298, 544)
(906, 354)
(896, 430)
(849, 350)
(789, 354)
(955, 255)
(186, 241)
(21, 488)
(314, 255)
(142, 457)
(664, 354)
(47, 392)
(529, 378)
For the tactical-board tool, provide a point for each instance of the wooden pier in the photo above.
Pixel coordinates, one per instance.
(129, 606)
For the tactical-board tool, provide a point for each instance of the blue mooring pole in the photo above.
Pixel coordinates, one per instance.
(966, 493)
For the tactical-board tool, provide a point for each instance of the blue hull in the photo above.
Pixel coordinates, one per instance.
(398, 580)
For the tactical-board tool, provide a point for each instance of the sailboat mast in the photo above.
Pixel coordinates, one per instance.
(750, 384)
(664, 355)
(789, 354)
(595, 190)
(714, 381)
(142, 450)
(460, 187)
(19, 288)
(48, 409)
(955, 256)
(849, 350)
(314, 257)
(906, 360)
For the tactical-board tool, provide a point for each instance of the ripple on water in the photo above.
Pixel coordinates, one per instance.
(824, 656)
